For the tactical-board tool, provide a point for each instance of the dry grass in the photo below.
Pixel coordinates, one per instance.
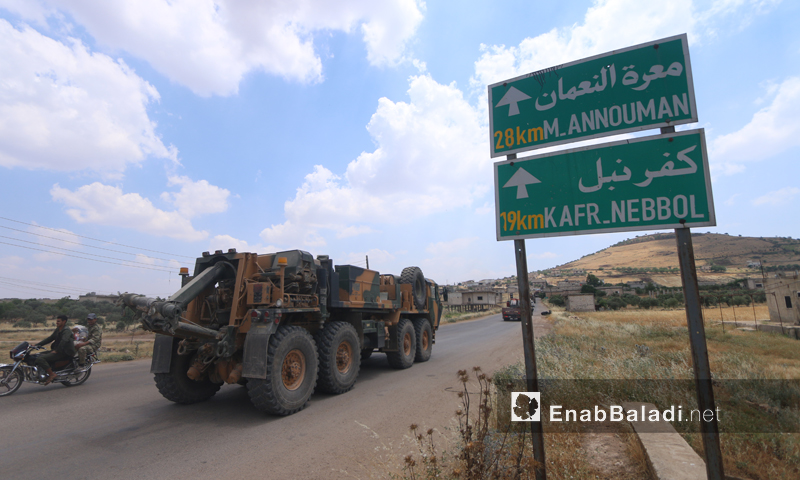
(637, 344)
(117, 346)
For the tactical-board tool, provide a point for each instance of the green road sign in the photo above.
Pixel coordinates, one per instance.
(646, 183)
(636, 88)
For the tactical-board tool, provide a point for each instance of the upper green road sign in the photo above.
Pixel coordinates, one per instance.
(636, 88)
(645, 183)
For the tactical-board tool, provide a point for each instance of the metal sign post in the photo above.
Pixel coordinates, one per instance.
(528, 345)
(697, 340)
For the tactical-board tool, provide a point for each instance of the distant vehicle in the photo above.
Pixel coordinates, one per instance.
(511, 311)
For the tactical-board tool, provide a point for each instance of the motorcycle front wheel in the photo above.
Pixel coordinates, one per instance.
(75, 380)
(9, 382)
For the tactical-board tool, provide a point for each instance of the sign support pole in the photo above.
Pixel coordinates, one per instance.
(537, 435)
(697, 340)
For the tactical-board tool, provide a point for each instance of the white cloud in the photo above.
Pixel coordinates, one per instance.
(224, 242)
(731, 201)
(379, 259)
(65, 108)
(12, 262)
(107, 205)
(196, 198)
(772, 130)
(290, 235)
(608, 25)
(778, 197)
(353, 231)
(451, 247)
(431, 156)
(209, 46)
(60, 239)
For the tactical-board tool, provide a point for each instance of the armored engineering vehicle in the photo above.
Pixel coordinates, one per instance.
(284, 324)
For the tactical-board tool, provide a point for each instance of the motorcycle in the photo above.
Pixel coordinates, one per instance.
(24, 369)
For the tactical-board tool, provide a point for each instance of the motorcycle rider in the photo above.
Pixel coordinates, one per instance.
(92, 344)
(63, 348)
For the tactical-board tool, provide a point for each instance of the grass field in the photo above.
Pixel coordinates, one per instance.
(117, 346)
(636, 344)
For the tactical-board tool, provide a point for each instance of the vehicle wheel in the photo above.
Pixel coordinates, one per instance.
(291, 373)
(78, 379)
(424, 334)
(9, 382)
(407, 346)
(337, 345)
(413, 275)
(365, 354)
(176, 387)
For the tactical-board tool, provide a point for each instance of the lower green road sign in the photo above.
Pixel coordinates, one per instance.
(648, 183)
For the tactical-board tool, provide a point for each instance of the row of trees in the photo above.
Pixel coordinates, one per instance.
(27, 313)
(666, 300)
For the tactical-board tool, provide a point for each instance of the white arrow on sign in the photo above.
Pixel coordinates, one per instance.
(511, 98)
(521, 179)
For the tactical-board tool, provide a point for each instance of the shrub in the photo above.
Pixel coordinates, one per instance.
(648, 303)
(120, 326)
(22, 324)
(558, 300)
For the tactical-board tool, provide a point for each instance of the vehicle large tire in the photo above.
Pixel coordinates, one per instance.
(291, 373)
(176, 387)
(414, 276)
(407, 346)
(339, 357)
(424, 334)
(10, 382)
(78, 379)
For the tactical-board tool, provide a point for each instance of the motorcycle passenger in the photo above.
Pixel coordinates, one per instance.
(92, 344)
(63, 348)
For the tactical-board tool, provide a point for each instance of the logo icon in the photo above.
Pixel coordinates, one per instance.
(525, 407)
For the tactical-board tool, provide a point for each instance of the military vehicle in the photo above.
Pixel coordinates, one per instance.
(284, 324)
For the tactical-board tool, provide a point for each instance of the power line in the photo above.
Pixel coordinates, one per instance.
(32, 288)
(84, 258)
(73, 251)
(76, 243)
(43, 284)
(94, 239)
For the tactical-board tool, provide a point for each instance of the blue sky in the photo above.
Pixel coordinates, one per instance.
(143, 132)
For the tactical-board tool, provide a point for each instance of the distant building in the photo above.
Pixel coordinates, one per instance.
(754, 283)
(612, 290)
(753, 264)
(783, 299)
(580, 302)
(539, 284)
(635, 285)
(480, 297)
(453, 298)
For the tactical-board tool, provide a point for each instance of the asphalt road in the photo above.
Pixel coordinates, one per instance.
(117, 425)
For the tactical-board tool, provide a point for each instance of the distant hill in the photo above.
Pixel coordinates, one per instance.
(659, 251)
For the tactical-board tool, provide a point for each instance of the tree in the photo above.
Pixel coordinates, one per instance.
(648, 303)
(558, 300)
(588, 289)
(592, 280)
